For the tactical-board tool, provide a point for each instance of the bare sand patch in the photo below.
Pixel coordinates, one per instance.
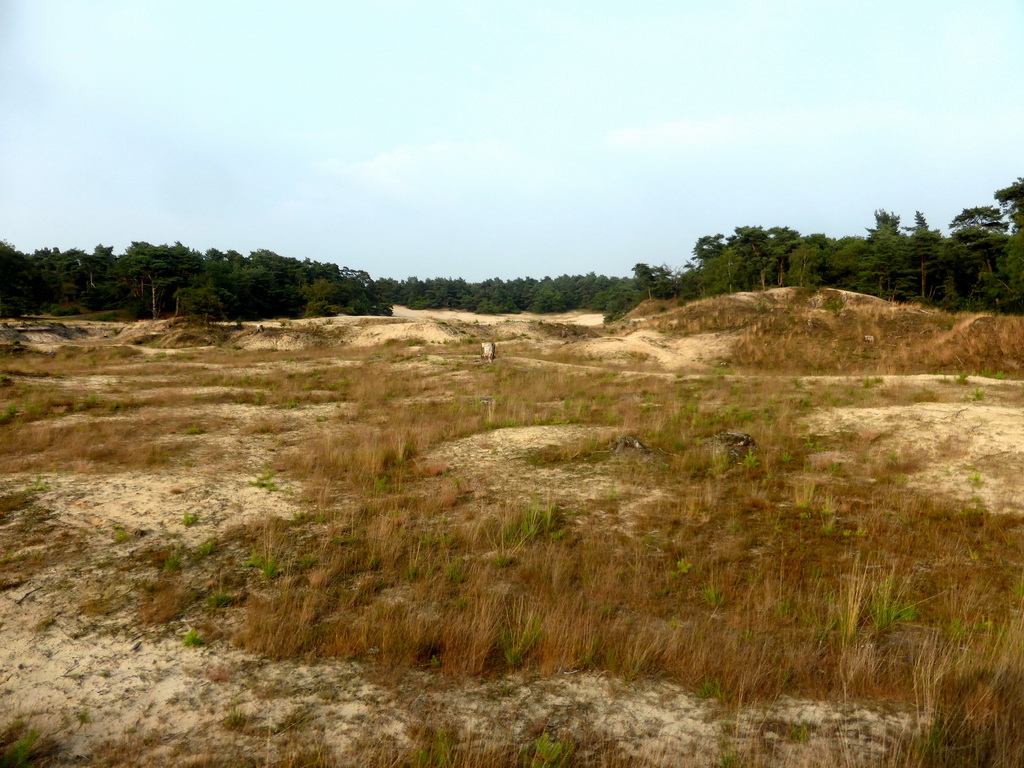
(851, 299)
(290, 337)
(969, 450)
(513, 467)
(424, 332)
(780, 295)
(158, 503)
(691, 354)
(515, 443)
(575, 318)
(146, 695)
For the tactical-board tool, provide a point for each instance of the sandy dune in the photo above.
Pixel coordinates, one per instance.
(75, 659)
(576, 318)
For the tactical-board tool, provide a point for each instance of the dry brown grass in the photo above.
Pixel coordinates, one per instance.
(852, 591)
(829, 333)
(808, 568)
(84, 446)
(728, 579)
(164, 600)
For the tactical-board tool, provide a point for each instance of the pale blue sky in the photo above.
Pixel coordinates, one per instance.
(497, 138)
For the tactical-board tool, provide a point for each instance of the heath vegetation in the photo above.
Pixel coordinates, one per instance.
(439, 523)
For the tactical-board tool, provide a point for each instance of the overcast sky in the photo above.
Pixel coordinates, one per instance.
(497, 138)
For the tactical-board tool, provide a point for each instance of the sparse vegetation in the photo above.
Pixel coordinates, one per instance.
(268, 565)
(206, 548)
(475, 525)
(23, 747)
(266, 480)
(193, 639)
(173, 561)
(550, 753)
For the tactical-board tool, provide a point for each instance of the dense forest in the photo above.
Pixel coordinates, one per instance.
(979, 265)
(612, 296)
(158, 280)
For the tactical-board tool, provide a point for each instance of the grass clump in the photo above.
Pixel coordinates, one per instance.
(173, 561)
(24, 747)
(267, 564)
(887, 608)
(266, 480)
(532, 522)
(193, 639)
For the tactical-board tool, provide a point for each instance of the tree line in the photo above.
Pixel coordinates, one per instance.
(149, 281)
(979, 265)
(612, 296)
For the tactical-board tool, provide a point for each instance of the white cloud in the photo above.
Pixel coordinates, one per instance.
(445, 169)
(842, 130)
(734, 132)
(681, 133)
